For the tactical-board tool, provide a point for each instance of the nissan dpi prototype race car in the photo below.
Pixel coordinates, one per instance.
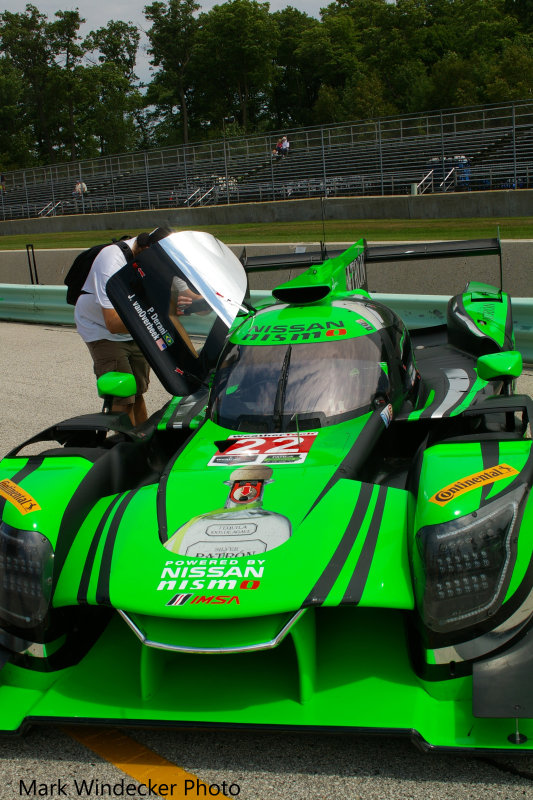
(328, 526)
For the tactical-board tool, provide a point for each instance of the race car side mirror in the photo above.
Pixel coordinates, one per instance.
(115, 384)
(503, 366)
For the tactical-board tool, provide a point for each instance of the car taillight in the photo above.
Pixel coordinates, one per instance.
(465, 564)
(26, 568)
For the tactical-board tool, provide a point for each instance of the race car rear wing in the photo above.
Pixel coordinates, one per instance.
(409, 252)
(304, 259)
(375, 254)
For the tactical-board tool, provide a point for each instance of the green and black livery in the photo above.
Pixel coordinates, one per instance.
(328, 527)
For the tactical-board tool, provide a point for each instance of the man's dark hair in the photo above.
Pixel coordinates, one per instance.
(158, 234)
(143, 240)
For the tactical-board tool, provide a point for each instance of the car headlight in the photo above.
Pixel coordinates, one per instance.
(465, 564)
(26, 569)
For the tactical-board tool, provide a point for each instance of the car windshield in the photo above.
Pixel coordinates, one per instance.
(300, 386)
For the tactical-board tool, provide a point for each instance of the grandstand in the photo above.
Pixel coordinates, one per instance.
(466, 149)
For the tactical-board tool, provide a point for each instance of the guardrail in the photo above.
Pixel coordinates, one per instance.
(47, 304)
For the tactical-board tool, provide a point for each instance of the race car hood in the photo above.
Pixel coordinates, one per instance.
(268, 525)
(146, 293)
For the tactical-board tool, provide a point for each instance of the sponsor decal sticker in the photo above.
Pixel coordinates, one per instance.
(179, 599)
(265, 448)
(366, 325)
(475, 481)
(218, 574)
(246, 491)
(386, 415)
(211, 599)
(336, 332)
(356, 273)
(215, 600)
(154, 326)
(297, 332)
(16, 495)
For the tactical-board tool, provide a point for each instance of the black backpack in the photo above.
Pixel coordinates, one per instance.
(81, 266)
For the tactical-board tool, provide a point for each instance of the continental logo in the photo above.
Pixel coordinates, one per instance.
(474, 481)
(16, 495)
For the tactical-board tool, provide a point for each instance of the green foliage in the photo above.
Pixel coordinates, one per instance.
(239, 69)
(295, 82)
(172, 38)
(234, 61)
(118, 43)
(16, 145)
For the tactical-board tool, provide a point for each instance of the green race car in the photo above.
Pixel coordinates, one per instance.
(328, 526)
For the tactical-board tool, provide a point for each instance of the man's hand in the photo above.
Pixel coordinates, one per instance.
(182, 303)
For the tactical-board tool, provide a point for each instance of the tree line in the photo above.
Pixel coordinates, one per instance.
(240, 69)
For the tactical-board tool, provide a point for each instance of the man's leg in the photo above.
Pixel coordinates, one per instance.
(122, 408)
(139, 410)
(110, 356)
(141, 372)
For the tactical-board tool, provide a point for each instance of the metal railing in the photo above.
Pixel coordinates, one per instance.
(477, 148)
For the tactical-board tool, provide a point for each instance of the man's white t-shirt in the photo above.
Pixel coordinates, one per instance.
(88, 311)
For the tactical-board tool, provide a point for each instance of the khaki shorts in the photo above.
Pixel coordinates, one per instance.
(114, 356)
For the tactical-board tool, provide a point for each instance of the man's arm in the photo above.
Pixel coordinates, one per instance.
(113, 322)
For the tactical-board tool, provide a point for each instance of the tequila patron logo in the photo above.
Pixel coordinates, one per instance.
(475, 481)
(242, 528)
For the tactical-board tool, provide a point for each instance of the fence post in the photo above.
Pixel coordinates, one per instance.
(514, 147)
(52, 191)
(381, 159)
(82, 193)
(324, 171)
(187, 190)
(112, 184)
(147, 180)
(30, 252)
(226, 168)
(26, 193)
(271, 177)
(442, 151)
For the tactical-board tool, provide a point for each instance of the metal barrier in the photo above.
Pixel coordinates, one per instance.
(36, 303)
(47, 304)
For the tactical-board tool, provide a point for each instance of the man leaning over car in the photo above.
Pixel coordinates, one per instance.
(110, 344)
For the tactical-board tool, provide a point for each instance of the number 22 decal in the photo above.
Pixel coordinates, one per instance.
(272, 448)
(257, 445)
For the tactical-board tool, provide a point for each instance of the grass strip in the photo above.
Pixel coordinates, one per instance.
(306, 231)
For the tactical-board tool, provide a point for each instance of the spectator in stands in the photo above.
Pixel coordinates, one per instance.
(278, 150)
(285, 144)
(80, 189)
(2, 182)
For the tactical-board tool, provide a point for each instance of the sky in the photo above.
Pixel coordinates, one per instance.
(98, 12)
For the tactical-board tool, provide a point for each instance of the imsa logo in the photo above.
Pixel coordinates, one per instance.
(216, 600)
(179, 600)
